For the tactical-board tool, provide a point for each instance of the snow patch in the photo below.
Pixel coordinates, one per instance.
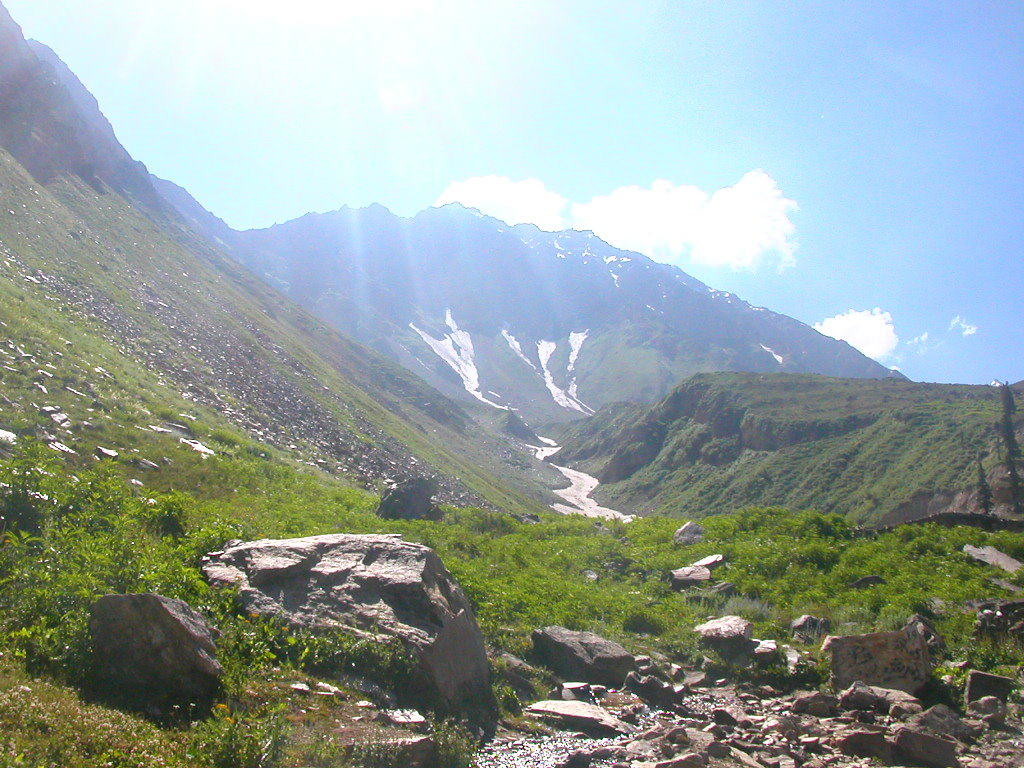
(518, 349)
(778, 358)
(456, 349)
(576, 339)
(545, 349)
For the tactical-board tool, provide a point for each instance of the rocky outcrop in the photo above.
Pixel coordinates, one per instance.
(372, 584)
(899, 660)
(410, 500)
(583, 656)
(992, 556)
(154, 647)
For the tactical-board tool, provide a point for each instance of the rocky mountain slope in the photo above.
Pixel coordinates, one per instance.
(553, 324)
(91, 248)
(881, 451)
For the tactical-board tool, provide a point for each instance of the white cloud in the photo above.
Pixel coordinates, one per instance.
(515, 202)
(962, 326)
(739, 227)
(872, 331)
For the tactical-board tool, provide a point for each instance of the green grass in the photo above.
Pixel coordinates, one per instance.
(719, 442)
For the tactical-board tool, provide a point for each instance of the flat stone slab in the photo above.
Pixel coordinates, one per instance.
(992, 556)
(579, 715)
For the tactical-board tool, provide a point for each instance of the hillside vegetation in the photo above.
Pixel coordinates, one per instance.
(881, 450)
(70, 539)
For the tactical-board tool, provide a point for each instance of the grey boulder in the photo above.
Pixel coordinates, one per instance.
(900, 660)
(583, 656)
(154, 647)
(375, 585)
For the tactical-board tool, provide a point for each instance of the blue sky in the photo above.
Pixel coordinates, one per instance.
(854, 164)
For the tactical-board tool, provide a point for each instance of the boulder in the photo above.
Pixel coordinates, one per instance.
(990, 709)
(519, 675)
(690, 576)
(809, 627)
(654, 690)
(374, 585)
(710, 562)
(944, 721)
(7, 438)
(898, 660)
(729, 635)
(867, 698)
(815, 703)
(982, 684)
(583, 656)
(992, 556)
(689, 533)
(921, 748)
(579, 715)
(864, 743)
(410, 500)
(155, 647)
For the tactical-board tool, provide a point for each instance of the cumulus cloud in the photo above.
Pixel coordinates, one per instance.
(871, 331)
(961, 326)
(738, 227)
(514, 202)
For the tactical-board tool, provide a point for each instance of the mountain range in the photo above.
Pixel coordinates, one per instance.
(551, 324)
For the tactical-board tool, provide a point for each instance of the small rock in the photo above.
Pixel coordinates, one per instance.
(990, 709)
(815, 703)
(809, 627)
(690, 576)
(689, 533)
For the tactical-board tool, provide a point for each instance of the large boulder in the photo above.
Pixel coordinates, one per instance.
(583, 656)
(899, 660)
(377, 585)
(410, 500)
(154, 647)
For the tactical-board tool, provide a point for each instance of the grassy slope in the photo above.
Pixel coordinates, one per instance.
(724, 441)
(168, 316)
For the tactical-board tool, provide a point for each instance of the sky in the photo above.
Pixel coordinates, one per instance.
(857, 165)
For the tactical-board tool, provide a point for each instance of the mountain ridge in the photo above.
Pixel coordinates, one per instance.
(541, 288)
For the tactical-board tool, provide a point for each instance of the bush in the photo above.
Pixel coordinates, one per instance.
(230, 740)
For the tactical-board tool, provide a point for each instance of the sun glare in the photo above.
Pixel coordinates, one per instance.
(325, 11)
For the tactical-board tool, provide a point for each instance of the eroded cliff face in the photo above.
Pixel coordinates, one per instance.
(715, 429)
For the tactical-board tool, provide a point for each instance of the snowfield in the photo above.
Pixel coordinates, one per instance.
(456, 349)
(778, 358)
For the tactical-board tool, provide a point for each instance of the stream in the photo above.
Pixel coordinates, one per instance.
(581, 485)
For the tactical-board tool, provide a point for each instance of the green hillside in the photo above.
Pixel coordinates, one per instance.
(880, 450)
